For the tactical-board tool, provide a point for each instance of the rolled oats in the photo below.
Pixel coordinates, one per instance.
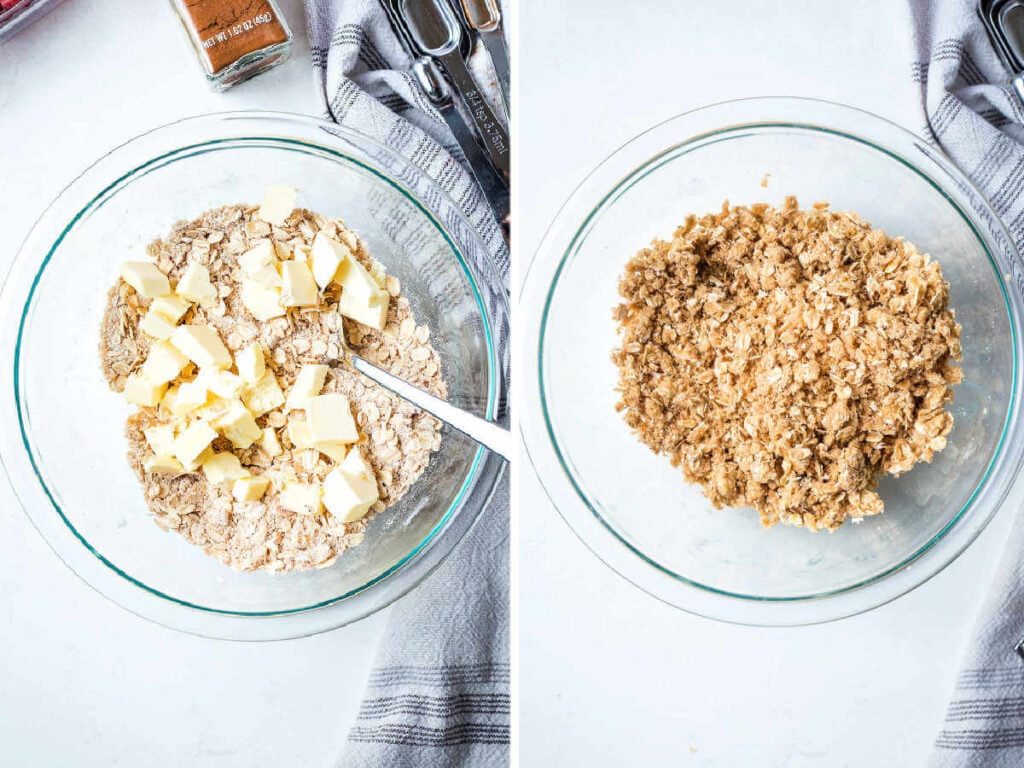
(785, 359)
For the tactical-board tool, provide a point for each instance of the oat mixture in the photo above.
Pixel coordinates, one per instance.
(784, 359)
(395, 438)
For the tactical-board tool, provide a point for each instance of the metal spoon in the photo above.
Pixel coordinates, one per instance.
(491, 436)
(485, 17)
(436, 31)
(494, 187)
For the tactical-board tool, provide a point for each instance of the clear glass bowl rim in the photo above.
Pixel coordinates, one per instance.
(616, 173)
(189, 136)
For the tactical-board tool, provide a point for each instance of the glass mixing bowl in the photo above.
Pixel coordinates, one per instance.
(63, 443)
(630, 506)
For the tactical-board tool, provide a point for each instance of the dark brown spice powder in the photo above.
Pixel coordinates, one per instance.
(227, 30)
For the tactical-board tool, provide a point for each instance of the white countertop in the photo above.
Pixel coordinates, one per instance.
(610, 676)
(82, 681)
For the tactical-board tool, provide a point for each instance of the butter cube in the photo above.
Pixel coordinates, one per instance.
(372, 312)
(202, 345)
(251, 363)
(270, 443)
(330, 419)
(162, 465)
(308, 383)
(362, 298)
(301, 498)
(297, 431)
(259, 256)
(160, 438)
(354, 278)
(195, 285)
(223, 468)
(164, 363)
(333, 451)
(249, 488)
(263, 396)
(171, 307)
(327, 255)
(193, 441)
(278, 203)
(238, 425)
(186, 398)
(221, 383)
(141, 391)
(156, 326)
(262, 302)
(268, 277)
(298, 288)
(350, 489)
(169, 400)
(146, 278)
(216, 408)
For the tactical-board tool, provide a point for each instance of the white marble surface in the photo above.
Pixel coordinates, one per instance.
(610, 676)
(83, 682)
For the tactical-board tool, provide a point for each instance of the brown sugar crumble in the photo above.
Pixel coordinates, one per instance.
(395, 438)
(785, 359)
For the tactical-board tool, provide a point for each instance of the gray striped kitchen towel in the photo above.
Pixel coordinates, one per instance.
(439, 691)
(974, 115)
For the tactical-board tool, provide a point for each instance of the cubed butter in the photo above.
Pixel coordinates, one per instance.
(350, 489)
(362, 298)
(327, 255)
(354, 278)
(221, 383)
(187, 398)
(263, 396)
(372, 312)
(262, 302)
(171, 307)
(164, 363)
(238, 425)
(334, 451)
(259, 256)
(193, 441)
(297, 431)
(251, 363)
(223, 468)
(330, 419)
(298, 288)
(270, 443)
(249, 488)
(215, 409)
(301, 498)
(195, 285)
(162, 465)
(160, 438)
(156, 326)
(141, 391)
(278, 203)
(202, 345)
(308, 383)
(146, 278)
(268, 277)
(169, 400)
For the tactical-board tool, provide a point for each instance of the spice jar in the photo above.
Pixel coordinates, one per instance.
(235, 39)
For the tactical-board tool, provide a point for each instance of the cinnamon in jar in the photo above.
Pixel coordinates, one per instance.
(235, 39)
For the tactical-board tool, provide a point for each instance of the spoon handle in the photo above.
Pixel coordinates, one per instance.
(491, 436)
